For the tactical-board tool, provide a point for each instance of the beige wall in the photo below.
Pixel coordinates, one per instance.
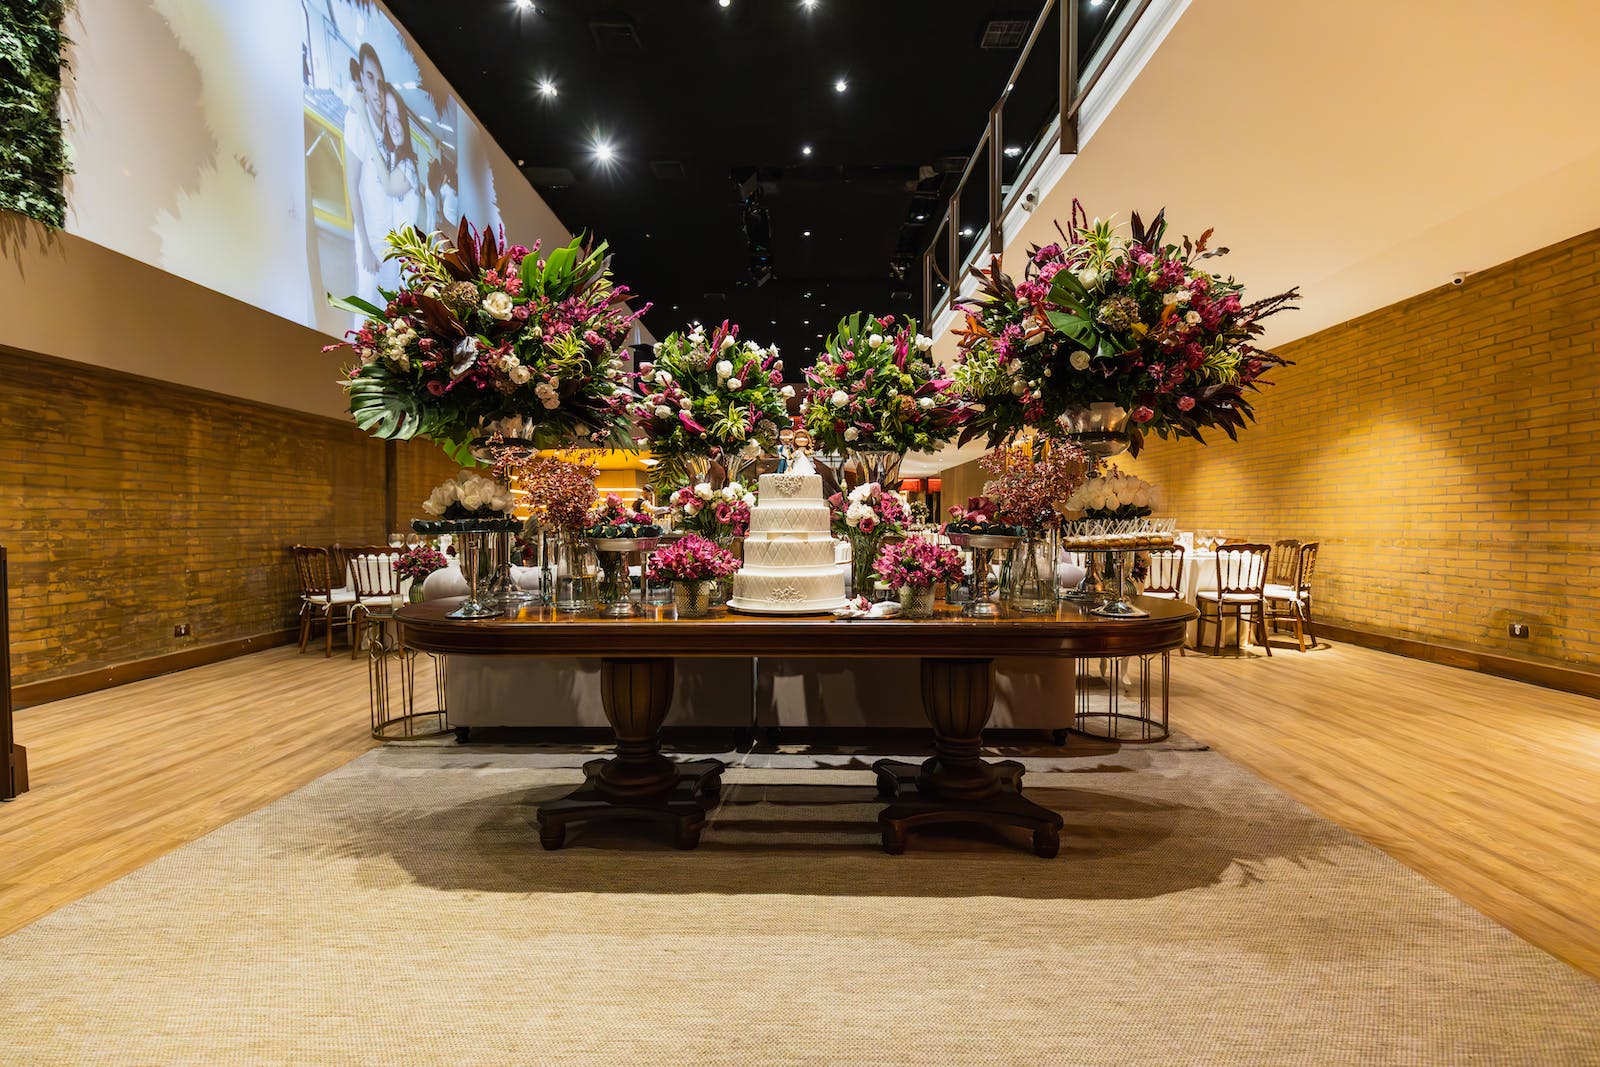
(1446, 452)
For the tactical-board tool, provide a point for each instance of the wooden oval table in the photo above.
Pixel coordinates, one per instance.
(957, 654)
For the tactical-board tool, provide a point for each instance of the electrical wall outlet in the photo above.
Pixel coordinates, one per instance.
(181, 630)
(1519, 629)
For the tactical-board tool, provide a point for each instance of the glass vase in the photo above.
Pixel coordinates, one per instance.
(863, 554)
(474, 561)
(1030, 585)
(695, 600)
(576, 571)
(916, 602)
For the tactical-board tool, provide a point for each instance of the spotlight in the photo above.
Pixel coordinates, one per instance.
(966, 231)
(840, 85)
(809, 5)
(724, 3)
(805, 150)
(805, 233)
(548, 87)
(1013, 150)
(523, 5)
(604, 152)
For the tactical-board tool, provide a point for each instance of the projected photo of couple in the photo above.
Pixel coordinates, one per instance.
(381, 147)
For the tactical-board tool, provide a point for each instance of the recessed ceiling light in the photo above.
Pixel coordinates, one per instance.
(805, 150)
(840, 85)
(807, 295)
(805, 233)
(809, 5)
(547, 86)
(1013, 150)
(805, 322)
(724, 3)
(920, 218)
(605, 153)
(524, 5)
(966, 231)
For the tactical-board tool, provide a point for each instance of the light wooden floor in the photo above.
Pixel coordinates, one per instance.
(1490, 788)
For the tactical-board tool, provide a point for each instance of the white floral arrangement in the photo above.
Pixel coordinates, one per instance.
(466, 495)
(1112, 495)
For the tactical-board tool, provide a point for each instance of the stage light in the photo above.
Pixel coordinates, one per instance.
(604, 153)
(1013, 150)
(805, 233)
(724, 3)
(523, 5)
(805, 150)
(840, 85)
(548, 87)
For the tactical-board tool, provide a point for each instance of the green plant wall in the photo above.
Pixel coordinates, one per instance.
(33, 157)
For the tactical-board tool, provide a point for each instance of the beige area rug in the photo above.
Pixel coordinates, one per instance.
(400, 911)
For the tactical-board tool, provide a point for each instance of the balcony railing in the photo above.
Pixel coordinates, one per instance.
(1070, 47)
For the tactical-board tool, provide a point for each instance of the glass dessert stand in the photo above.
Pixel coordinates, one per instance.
(616, 555)
(984, 547)
(473, 535)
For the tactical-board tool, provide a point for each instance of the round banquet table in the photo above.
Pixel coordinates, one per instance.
(957, 654)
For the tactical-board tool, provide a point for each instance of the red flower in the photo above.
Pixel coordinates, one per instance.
(1143, 414)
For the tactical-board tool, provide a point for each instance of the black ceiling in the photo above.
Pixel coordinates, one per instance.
(695, 96)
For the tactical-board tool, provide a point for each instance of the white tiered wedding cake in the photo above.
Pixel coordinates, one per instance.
(788, 553)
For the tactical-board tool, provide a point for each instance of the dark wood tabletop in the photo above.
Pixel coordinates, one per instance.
(1071, 631)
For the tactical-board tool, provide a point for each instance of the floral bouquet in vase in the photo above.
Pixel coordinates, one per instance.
(875, 390)
(723, 515)
(1119, 318)
(868, 516)
(694, 566)
(913, 567)
(483, 338)
(708, 397)
(560, 495)
(416, 563)
(469, 496)
(1025, 492)
(1111, 494)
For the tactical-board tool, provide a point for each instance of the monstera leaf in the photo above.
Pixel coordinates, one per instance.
(382, 408)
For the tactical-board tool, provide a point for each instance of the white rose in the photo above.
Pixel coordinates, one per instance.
(923, 342)
(724, 368)
(727, 342)
(1080, 360)
(1141, 498)
(1089, 277)
(471, 498)
(663, 377)
(704, 491)
(786, 391)
(693, 508)
(925, 403)
(663, 412)
(498, 305)
(521, 375)
(731, 492)
(875, 340)
(1019, 387)
(734, 384)
(1192, 317)
(851, 433)
(840, 398)
(685, 404)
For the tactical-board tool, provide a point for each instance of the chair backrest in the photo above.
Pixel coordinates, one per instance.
(1241, 568)
(344, 555)
(372, 573)
(1284, 562)
(1308, 565)
(312, 563)
(1166, 570)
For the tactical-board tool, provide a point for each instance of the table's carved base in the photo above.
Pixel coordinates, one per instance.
(682, 800)
(917, 802)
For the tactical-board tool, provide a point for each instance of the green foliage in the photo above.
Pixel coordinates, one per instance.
(33, 156)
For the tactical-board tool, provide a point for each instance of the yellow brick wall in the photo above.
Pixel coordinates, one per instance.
(1446, 452)
(130, 506)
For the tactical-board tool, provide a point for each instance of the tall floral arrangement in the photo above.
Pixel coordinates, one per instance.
(484, 337)
(875, 387)
(708, 395)
(1119, 316)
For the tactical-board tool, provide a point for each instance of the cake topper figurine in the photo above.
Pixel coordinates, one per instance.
(800, 454)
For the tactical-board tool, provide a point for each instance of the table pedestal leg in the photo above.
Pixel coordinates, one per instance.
(638, 782)
(957, 784)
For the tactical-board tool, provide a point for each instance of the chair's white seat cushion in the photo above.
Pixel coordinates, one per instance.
(336, 598)
(1280, 592)
(1161, 596)
(1229, 598)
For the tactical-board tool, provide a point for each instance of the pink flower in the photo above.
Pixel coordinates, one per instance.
(436, 388)
(1186, 403)
(1143, 414)
(868, 524)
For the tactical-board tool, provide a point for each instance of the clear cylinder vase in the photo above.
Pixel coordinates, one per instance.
(916, 602)
(695, 600)
(863, 554)
(1030, 585)
(576, 572)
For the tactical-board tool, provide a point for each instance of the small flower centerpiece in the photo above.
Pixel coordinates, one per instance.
(914, 566)
(619, 533)
(484, 338)
(875, 392)
(720, 514)
(416, 563)
(868, 516)
(1124, 319)
(978, 516)
(694, 566)
(708, 397)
